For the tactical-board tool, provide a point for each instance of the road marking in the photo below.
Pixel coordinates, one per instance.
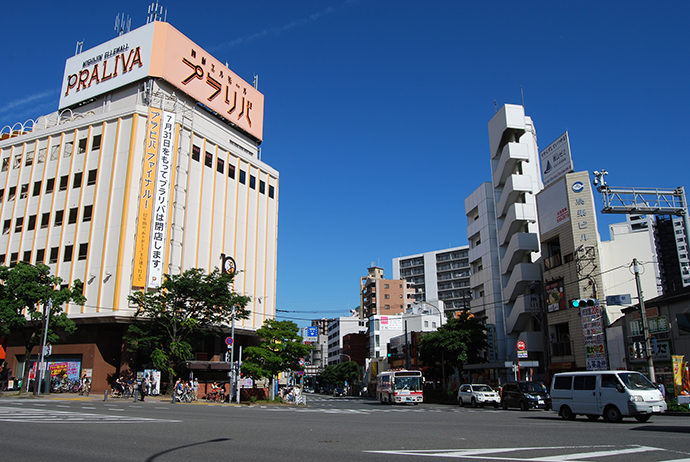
(8, 414)
(586, 452)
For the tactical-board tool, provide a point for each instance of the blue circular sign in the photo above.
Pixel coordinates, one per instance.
(578, 186)
(228, 341)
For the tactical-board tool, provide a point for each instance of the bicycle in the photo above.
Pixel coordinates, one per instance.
(85, 389)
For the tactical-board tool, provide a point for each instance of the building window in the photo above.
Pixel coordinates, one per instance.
(73, 215)
(2, 259)
(24, 191)
(54, 152)
(7, 226)
(91, 179)
(40, 255)
(208, 160)
(231, 171)
(262, 187)
(385, 286)
(77, 180)
(196, 153)
(83, 251)
(18, 225)
(220, 166)
(271, 191)
(81, 147)
(96, 144)
(14, 258)
(17, 161)
(2, 194)
(243, 177)
(29, 158)
(88, 210)
(54, 252)
(50, 185)
(68, 253)
(64, 181)
(37, 188)
(45, 220)
(387, 296)
(32, 223)
(41, 155)
(27, 256)
(252, 181)
(12, 192)
(5, 164)
(58, 217)
(69, 147)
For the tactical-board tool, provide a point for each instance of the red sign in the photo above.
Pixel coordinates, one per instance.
(521, 345)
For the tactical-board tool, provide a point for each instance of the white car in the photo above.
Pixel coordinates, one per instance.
(478, 394)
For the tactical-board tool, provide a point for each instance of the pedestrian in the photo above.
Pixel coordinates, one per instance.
(195, 389)
(662, 389)
(143, 385)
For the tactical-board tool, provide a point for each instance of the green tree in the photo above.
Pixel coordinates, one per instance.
(459, 341)
(280, 349)
(183, 306)
(25, 291)
(338, 374)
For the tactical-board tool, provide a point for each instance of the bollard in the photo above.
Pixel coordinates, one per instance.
(136, 395)
(173, 397)
(105, 395)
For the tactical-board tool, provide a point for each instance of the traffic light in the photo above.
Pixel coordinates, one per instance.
(580, 303)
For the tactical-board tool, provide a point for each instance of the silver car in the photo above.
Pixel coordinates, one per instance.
(478, 394)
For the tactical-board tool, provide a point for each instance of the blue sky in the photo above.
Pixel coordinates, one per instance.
(376, 111)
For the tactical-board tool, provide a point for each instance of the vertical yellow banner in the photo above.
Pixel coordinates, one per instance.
(677, 362)
(146, 204)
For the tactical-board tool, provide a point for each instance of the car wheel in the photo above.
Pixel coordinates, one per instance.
(612, 414)
(567, 413)
(504, 405)
(523, 406)
(592, 417)
(461, 403)
(643, 418)
(474, 402)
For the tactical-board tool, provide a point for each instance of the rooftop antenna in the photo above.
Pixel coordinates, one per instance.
(255, 83)
(79, 48)
(157, 13)
(123, 24)
(495, 107)
(523, 96)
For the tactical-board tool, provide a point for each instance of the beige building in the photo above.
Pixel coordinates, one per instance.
(379, 296)
(151, 165)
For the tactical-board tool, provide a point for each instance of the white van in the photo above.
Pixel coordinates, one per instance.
(612, 394)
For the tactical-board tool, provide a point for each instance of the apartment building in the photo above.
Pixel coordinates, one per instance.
(438, 275)
(383, 296)
(503, 237)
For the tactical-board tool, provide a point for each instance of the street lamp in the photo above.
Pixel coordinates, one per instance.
(349, 357)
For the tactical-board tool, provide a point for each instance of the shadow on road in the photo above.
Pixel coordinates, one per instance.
(156, 456)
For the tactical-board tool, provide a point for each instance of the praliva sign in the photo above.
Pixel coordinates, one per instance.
(159, 50)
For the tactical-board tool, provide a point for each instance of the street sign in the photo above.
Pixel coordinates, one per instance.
(228, 341)
(521, 345)
(522, 354)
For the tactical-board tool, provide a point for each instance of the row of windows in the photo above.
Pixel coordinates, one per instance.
(220, 168)
(72, 217)
(67, 255)
(54, 153)
(50, 185)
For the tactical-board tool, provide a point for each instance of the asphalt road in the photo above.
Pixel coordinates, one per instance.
(327, 429)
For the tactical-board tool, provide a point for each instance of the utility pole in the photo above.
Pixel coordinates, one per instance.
(645, 326)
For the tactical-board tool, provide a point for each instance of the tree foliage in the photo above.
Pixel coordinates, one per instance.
(460, 341)
(184, 305)
(340, 373)
(280, 349)
(25, 290)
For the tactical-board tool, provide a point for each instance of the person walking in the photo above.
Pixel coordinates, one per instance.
(195, 389)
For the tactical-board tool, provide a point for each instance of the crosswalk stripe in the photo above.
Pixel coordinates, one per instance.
(8, 414)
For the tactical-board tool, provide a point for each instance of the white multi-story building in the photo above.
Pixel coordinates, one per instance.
(438, 275)
(503, 233)
(338, 328)
(150, 166)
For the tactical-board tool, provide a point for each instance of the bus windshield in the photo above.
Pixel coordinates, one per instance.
(636, 381)
(408, 383)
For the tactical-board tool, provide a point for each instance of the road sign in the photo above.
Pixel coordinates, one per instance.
(521, 345)
(228, 341)
(301, 361)
(521, 354)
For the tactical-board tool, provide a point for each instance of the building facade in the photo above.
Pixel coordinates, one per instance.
(383, 296)
(438, 275)
(503, 239)
(150, 166)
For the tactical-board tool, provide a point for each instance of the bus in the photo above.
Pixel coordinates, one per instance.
(396, 387)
